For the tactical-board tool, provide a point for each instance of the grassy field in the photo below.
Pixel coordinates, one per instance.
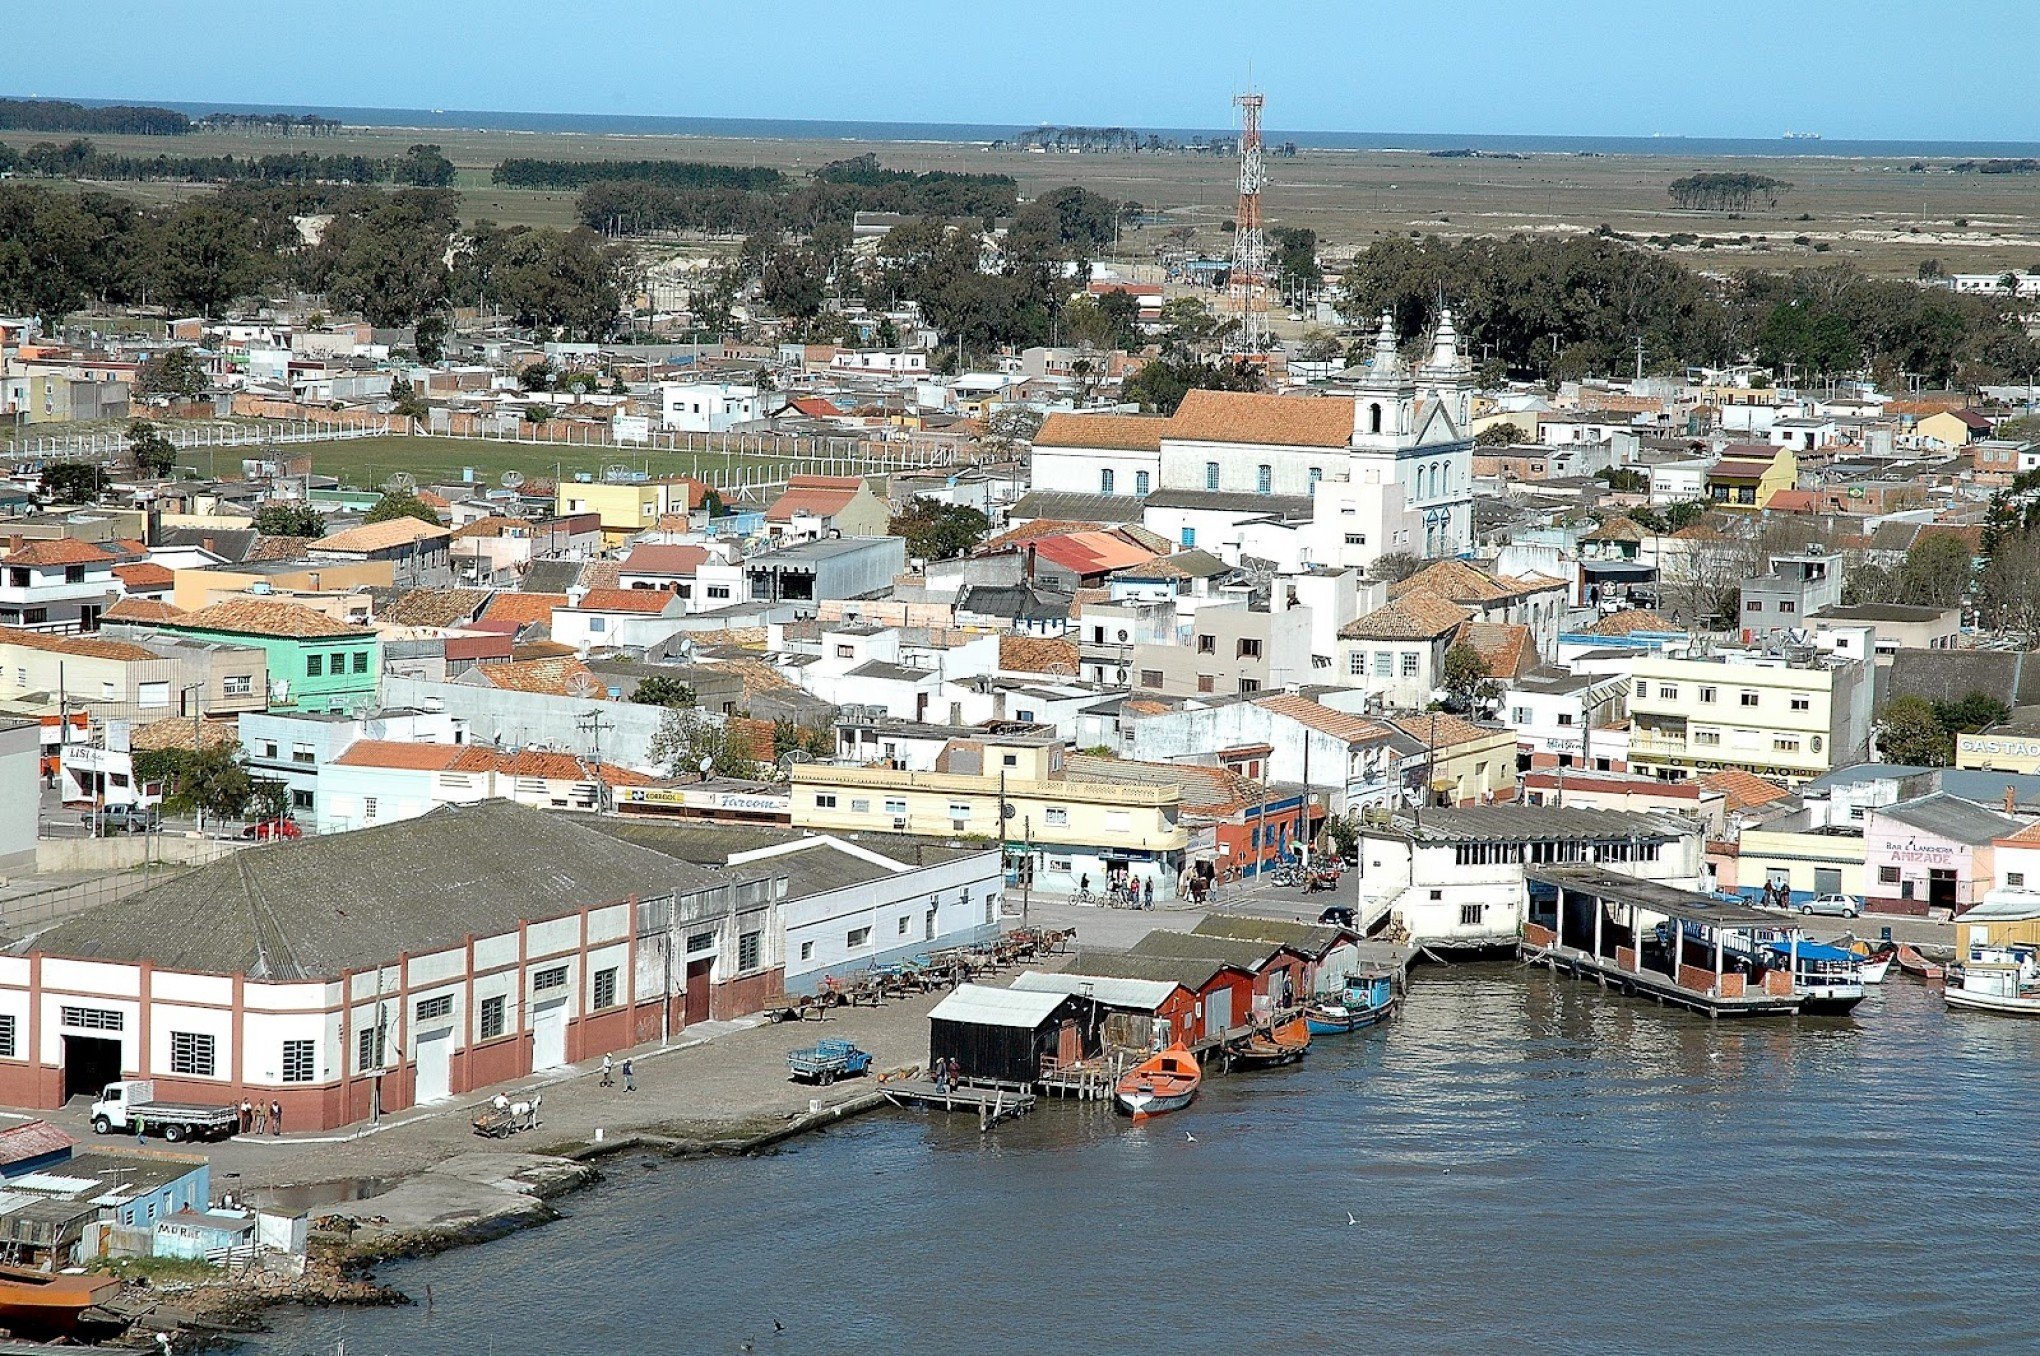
(366, 463)
(1876, 213)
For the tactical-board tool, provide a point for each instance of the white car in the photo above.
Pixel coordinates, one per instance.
(1844, 906)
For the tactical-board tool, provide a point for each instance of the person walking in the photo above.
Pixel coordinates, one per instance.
(607, 1067)
(261, 1119)
(247, 1116)
(276, 1118)
(1147, 892)
(141, 1129)
(629, 1076)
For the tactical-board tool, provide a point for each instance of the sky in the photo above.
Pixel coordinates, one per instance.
(1849, 69)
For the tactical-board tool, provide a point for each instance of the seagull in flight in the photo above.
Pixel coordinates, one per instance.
(1190, 1137)
(1350, 1219)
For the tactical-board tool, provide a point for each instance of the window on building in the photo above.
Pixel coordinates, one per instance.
(858, 937)
(1356, 539)
(241, 685)
(1748, 698)
(959, 813)
(1667, 692)
(1409, 664)
(825, 800)
(1210, 475)
(368, 807)
(315, 666)
(1785, 745)
(896, 807)
(1802, 701)
(1787, 605)
(1706, 694)
(1056, 817)
(1105, 479)
(1264, 479)
(698, 942)
(1887, 875)
(440, 1005)
(1316, 474)
(1384, 663)
(1754, 605)
(92, 1019)
(7, 1036)
(718, 590)
(554, 977)
(846, 652)
(604, 985)
(1250, 685)
(1207, 644)
(1150, 677)
(1709, 738)
(191, 1052)
(1356, 664)
(303, 753)
(1189, 536)
(2015, 879)
(903, 927)
(371, 1048)
(1140, 483)
(361, 661)
(300, 1061)
(495, 1011)
(1248, 648)
(1207, 683)
(1472, 915)
(807, 950)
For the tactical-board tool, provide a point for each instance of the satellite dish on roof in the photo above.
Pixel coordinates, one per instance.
(512, 479)
(403, 482)
(705, 764)
(617, 474)
(582, 685)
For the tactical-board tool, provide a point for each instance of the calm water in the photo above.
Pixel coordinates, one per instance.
(1531, 1163)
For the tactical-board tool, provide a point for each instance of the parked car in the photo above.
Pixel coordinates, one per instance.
(286, 827)
(122, 819)
(1338, 915)
(1839, 906)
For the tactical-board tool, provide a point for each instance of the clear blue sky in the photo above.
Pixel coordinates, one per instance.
(1958, 69)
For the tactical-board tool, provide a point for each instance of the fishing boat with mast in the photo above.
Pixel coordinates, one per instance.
(1365, 1000)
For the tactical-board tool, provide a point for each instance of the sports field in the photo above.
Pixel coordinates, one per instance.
(366, 463)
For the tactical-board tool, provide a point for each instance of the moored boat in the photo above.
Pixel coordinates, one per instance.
(1876, 957)
(1284, 1044)
(1913, 963)
(1827, 979)
(46, 1302)
(1159, 1084)
(1365, 1000)
(2003, 980)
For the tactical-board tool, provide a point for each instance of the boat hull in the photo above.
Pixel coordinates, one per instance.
(1832, 1003)
(1141, 1106)
(1325, 1022)
(1985, 1002)
(1875, 968)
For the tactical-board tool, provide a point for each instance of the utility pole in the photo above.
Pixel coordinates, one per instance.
(594, 724)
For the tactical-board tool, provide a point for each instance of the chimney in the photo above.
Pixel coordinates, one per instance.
(1030, 562)
(2011, 798)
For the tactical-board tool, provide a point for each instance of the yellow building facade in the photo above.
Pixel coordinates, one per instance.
(1690, 717)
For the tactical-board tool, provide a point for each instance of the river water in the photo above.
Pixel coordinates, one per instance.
(1530, 1162)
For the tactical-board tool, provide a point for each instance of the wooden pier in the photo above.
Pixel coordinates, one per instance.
(991, 1104)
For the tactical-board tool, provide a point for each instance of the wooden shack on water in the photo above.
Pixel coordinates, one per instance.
(1003, 1035)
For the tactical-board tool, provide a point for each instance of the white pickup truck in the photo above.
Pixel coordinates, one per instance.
(121, 1104)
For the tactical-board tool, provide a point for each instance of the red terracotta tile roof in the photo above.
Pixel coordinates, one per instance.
(145, 575)
(1450, 729)
(1119, 432)
(85, 647)
(1038, 654)
(562, 676)
(821, 496)
(1245, 417)
(142, 610)
(1416, 616)
(58, 551)
(175, 732)
(680, 561)
(1743, 789)
(266, 617)
(393, 753)
(651, 602)
(1505, 648)
(523, 608)
(1324, 719)
(1629, 620)
(382, 536)
(1091, 552)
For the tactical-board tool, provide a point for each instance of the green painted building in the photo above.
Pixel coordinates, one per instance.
(315, 662)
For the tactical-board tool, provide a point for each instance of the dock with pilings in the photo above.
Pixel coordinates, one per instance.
(992, 1103)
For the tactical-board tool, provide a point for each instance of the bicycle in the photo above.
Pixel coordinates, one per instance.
(1083, 895)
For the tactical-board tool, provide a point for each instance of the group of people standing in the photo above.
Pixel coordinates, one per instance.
(261, 1120)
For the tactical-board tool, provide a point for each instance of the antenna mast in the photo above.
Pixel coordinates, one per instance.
(1249, 279)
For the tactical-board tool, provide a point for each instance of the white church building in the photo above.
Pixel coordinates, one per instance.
(1385, 466)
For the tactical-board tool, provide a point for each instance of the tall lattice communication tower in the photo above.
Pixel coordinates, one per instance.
(1248, 287)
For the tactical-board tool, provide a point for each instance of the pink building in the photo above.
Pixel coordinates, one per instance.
(1932, 853)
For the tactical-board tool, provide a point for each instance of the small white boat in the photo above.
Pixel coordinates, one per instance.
(1996, 979)
(1875, 968)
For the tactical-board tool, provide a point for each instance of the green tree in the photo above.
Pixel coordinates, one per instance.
(1504, 434)
(938, 531)
(212, 781)
(1161, 385)
(178, 372)
(387, 259)
(1868, 583)
(1394, 567)
(404, 398)
(1976, 711)
(428, 338)
(661, 690)
(72, 482)
(685, 739)
(203, 255)
(289, 518)
(400, 504)
(1909, 732)
(816, 741)
(1466, 681)
(1936, 571)
(1624, 479)
(149, 449)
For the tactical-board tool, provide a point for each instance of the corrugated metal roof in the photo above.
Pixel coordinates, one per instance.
(982, 1005)
(1146, 994)
(1951, 817)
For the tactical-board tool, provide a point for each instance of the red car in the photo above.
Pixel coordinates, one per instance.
(272, 828)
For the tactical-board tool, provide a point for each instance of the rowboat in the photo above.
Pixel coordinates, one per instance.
(1913, 963)
(1265, 1050)
(1159, 1084)
(1366, 999)
(1876, 957)
(46, 1302)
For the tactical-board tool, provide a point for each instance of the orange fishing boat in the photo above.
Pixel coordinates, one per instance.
(1266, 1049)
(1159, 1084)
(1913, 963)
(45, 1302)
